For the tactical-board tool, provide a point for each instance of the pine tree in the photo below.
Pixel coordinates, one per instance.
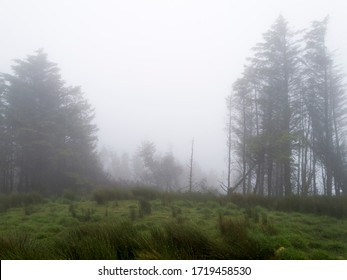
(50, 128)
(325, 100)
(265, 92)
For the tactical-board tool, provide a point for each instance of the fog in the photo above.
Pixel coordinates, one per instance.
(157, 70)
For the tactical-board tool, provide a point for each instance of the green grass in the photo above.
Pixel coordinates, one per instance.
(146, 224)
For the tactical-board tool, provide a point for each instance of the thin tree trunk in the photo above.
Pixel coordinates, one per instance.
(191, 168)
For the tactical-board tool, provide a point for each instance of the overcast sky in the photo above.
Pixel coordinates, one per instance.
(157, 70)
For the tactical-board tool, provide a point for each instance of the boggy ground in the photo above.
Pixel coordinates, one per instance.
(141, 223)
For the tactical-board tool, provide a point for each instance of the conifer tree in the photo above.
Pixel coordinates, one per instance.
(51, 138)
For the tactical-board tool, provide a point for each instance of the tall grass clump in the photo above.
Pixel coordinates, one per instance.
(21, 246)
(181, 241)
(98, 241)
(242, 240)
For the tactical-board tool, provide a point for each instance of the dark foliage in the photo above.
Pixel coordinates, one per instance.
(19, 200)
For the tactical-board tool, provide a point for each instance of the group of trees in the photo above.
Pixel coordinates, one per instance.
(149, 167)
(286, 122)
(152, 169)
(287, 116)
(117, 167)
(47, 138)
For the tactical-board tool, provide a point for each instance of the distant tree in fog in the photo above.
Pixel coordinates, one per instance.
(160, 171)
(168, 172)
(325, 100)
(117, 168)
(50, 138)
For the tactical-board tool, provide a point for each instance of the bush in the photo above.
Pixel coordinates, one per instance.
(101, 196)
(19, 199)
(145, 193)
(69, 195)
(29, 209)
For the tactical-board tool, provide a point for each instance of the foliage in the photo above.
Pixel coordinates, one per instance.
(101, 196)
(145, 193)
(49, 138)
(19, 199)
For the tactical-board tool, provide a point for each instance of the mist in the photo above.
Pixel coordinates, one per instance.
(173, 130)
(157, 71)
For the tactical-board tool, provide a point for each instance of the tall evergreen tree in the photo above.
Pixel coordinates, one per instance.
(50, 128)
(270, 83)
(325, 101)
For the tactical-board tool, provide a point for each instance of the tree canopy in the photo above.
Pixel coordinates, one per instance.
(48, 136)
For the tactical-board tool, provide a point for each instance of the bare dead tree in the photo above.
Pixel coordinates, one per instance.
(191, 167)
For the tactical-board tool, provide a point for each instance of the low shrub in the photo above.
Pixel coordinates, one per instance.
(145, 193)
(19, 199)
(101, 196)
(69, 195)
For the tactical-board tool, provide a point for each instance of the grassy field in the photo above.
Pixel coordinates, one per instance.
(146, 224)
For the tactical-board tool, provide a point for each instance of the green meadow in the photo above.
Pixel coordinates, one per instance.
(142, 223)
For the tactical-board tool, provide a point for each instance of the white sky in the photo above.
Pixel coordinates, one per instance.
(156, 70)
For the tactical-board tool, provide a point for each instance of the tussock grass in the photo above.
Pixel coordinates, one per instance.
(148, 224)
(98, 241)
(319, 205)
(241, 241)
(22, 246)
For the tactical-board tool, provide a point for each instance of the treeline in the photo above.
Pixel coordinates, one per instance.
(287, 116)
(47, 137)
